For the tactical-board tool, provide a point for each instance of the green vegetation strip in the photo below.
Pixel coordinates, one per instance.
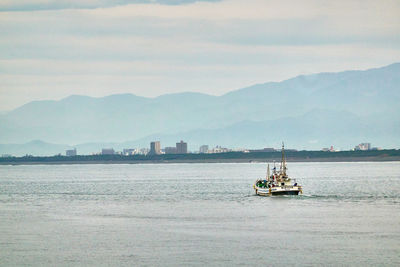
(372, 155)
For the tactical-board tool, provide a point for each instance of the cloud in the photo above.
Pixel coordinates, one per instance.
(32, 5)
(254, 22)
(152, 48)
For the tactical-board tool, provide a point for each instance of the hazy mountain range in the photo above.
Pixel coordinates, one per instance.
(307, 112)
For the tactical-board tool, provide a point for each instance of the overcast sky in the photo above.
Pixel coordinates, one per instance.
(50, 49)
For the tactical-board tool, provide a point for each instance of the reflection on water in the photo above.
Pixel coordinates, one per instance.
(196, 214)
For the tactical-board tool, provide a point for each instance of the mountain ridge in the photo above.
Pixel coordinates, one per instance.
(78, 119)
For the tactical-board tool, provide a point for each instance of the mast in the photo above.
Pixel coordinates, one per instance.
(283, 162)
(268, 175)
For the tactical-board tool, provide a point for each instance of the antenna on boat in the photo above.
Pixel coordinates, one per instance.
(283, 162)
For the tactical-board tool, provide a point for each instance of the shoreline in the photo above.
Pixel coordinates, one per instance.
(219, 160)
(230, 157)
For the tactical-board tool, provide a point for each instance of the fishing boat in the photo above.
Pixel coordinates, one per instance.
(277, 183)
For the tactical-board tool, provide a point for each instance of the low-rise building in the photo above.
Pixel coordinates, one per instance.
(363, 146)
(144, 151)
(70, 152)
(244, 150)
(203, 149)
(130, 151)
(219, 149)
(331, 149)
(107, 151)
(170, 150)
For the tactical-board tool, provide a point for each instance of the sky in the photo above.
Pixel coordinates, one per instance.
(50, 49)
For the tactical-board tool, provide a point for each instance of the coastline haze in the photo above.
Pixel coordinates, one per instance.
(308, 112)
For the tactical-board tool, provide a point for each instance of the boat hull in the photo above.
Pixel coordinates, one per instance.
(281, 193)
(277, 191)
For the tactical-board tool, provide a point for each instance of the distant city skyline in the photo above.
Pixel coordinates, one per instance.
(54, 49)
(181, 148)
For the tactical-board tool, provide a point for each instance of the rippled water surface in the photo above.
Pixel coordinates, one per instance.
(198, 214)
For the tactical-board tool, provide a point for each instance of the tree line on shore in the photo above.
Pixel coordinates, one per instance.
(259, 156)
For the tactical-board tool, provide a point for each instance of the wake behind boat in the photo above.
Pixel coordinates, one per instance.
(277, 183)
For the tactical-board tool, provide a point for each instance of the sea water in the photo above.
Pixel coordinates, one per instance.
(198, 214)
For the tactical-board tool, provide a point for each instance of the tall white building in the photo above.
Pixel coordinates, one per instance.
(181, 147)
(155, 148)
